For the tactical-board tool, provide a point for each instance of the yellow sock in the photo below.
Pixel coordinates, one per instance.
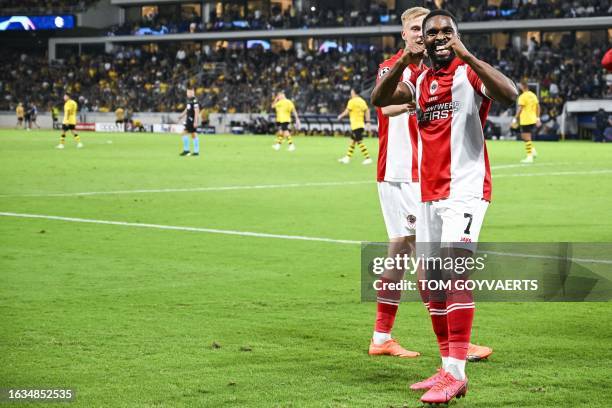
(62, 139)
(364, 150)
(279, 139)
(529, 148)
(351, 149)
(289, 140)
(77, 138)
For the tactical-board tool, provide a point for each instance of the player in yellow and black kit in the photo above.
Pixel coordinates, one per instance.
(284, 108)
(69, 123)
(357, 109)
(20, 112)
(528, 117)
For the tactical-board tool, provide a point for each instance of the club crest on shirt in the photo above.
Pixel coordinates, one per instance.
(411, 221)
(384, 71)
(433, 87)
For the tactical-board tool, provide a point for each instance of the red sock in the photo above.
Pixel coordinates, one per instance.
(386, 308)
(437, 311)
(460, 317)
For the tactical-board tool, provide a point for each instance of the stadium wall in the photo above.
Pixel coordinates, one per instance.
(221, 122)
(101, 15)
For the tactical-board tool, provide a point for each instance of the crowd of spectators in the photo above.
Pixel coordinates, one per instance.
(559, 74)
(225, 80)
(245, 80)
(233, 17)
(44, 6)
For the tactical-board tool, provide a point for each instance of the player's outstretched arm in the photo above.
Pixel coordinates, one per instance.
(343, 114)
(499, 87)
(389, 90)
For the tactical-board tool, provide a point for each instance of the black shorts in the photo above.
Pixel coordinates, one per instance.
(67, 127)
(119, 121)
(189, 128)
(357, 135)
(284, 126)
(528, 128)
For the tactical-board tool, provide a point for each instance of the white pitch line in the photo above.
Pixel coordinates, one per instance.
(179, 228)
(259, 234)
(552, 257)
(556, 173)
(512, 166)
(228, 188)
(279, 186)
(193, 189)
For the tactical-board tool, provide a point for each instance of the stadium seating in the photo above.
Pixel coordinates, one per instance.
(232, 19)
(246, 80)
(44, 6)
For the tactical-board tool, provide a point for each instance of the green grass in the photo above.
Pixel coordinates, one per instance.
(127, 316)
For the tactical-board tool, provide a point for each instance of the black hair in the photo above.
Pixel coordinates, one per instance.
(440, 13)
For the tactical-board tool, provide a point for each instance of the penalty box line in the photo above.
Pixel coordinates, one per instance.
(258, 234)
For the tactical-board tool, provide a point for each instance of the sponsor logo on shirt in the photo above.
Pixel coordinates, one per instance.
(439, 111)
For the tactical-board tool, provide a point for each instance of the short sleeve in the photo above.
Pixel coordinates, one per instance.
(476, 83)
(521, 100)
(409, 77)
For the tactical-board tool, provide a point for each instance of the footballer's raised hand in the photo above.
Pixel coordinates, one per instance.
(413, 53)
(457, 47)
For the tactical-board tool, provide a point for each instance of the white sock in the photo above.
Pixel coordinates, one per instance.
(444, 363)
(456, 368)
(379, 338)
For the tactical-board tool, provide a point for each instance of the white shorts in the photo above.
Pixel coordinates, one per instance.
(400, 202)
(452, 222)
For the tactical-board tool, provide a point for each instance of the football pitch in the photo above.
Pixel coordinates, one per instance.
(143, 279)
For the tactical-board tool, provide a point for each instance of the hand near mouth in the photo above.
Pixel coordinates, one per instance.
(457, 47)
(413, 53)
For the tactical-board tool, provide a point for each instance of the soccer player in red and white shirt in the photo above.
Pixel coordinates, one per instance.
(453, 98)
(398, 187)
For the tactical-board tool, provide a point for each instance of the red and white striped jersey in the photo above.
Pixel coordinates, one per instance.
(397, 135)
(452, 109)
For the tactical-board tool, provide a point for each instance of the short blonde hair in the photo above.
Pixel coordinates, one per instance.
(413, 13)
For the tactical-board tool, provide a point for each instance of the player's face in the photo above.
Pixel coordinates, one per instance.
(190, 93)
(66, 98)
(412, 30)
(438, 31)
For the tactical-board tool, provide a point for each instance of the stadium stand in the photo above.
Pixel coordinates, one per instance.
(244, 80)
(232, 18)
(45, 6)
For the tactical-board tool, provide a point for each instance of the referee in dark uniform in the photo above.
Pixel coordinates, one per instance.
(192, 115)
